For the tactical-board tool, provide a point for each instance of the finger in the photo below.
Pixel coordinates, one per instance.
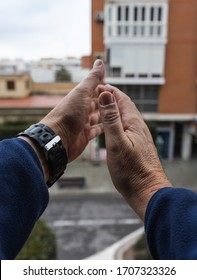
(115, 91)
(95, 131)
(95, 118)
(94, 105)
(90, 83)
(99, 89)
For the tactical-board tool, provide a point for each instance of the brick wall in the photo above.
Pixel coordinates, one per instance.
(179, 94)
(97, 28)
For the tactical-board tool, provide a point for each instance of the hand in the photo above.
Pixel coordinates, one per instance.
(76, 117)
(131, 155)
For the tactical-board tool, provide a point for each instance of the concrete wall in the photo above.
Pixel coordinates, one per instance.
(52, 88)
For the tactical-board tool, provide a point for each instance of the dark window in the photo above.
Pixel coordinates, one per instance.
(116, 72)
(110, 14)
(133, 92)
(151, 95)
(160, 14)
(119, 28)
(143, 13)
(143, 75)
(126, 30)
(134, 95)
(152, 14)
(142, 30)
(129, 75)
(158, 30)
(27, 83)
(127, 13)
(119, 13)
(149, 108)
(10, 85)
(156, 75)
(151, 30)
(108, 56)
(145, 97)
(135, 14)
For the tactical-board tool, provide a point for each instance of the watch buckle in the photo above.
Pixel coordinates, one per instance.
(52, 143)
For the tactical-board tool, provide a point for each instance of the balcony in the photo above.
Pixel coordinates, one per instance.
(136, 80)
(138, 33)
(136, 21)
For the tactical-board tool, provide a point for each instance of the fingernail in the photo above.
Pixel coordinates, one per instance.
(97, 63)
(106, 99)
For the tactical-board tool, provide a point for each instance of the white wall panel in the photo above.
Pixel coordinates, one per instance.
(138, 59)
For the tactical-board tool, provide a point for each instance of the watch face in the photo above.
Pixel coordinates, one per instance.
(56, 156)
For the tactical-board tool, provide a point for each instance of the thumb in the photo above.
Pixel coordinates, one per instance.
(94, 77)
(111, 119)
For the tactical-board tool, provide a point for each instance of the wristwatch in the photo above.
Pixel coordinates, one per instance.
(53, 148)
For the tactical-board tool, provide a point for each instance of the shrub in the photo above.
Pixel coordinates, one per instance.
(141, 250)
(41, 244)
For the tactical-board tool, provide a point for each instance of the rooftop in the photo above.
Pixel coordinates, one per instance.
(39, 101)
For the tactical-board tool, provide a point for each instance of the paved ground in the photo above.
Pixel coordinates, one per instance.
(87, 223)
(87, 220)
(181, 173)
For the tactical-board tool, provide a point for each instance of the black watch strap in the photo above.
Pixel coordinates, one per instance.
(53, 148)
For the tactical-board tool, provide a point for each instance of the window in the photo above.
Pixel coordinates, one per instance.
(119, 13)
(108, 57)
(143, 13)
(144, 97)
(127, 13)
(110, 14)
(11, 85)
(116, 71)
(136, 20)
(119, 30)
(148, 21)
(135, 13)
(152, 14)
(27, 84)
(160, 14)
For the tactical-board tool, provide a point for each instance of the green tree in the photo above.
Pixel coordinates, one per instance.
(63, 75)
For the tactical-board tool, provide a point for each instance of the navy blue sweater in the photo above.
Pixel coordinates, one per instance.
(23, 195)
(170, 222)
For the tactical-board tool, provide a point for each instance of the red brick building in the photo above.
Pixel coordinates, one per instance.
(150, 49)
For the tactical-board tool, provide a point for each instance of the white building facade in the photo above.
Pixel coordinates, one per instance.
(135, 36)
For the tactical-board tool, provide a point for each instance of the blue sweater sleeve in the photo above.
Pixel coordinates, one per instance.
(23, 195)
(171, 224)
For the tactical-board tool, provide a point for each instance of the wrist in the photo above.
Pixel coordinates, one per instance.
(144, 192)
(58, 129)
(50, 150)
(40, 154)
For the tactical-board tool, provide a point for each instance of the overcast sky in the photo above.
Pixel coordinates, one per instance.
(31, 29)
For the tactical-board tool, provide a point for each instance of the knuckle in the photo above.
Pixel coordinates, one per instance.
(110, 116)
(95, 73)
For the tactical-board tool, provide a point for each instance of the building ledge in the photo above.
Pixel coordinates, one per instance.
(134, 81)
(169, 117)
